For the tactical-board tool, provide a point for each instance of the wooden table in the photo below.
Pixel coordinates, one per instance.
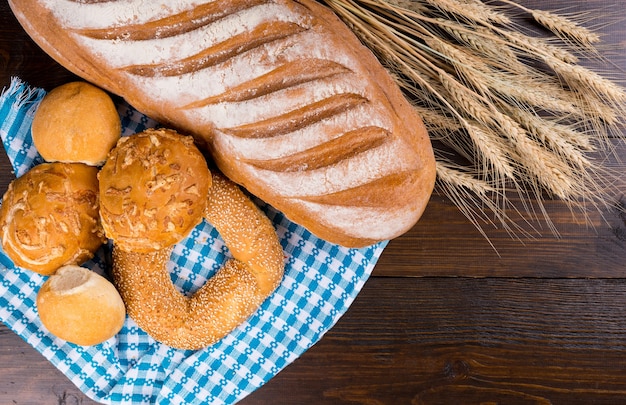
(445, 318)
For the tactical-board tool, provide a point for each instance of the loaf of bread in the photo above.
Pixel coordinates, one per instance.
(281, 93)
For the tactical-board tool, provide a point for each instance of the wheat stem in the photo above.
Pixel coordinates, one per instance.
(563, 27)
(470, 11)
(577, 75)
(458, 178)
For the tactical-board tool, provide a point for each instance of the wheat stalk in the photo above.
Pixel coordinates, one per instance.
(508, 111)
(577, 76)
(562, 26)
(560, 139)
(474, 11)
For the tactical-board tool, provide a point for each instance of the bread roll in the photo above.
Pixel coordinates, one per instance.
(80, 306)
(284, 96)
(153, 190)
(49, 217)
(76, 122)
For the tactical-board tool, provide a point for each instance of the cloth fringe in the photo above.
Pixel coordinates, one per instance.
(22, 92)
(18, 104)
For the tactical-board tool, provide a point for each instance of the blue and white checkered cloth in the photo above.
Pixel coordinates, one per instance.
(321, 281)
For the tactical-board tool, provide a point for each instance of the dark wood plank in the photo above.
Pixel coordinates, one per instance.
(19, 55)
(470, 341)
(28, 378)
(444, 243)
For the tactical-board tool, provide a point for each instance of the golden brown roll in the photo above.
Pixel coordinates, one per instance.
(80, 306)
(49, 217)
(76, 122)
(153, 190)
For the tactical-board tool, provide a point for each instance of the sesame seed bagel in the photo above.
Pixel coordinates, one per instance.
(226, 299)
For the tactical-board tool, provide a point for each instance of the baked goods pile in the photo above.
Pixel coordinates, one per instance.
(281, 93)
(50, 216)
(153, 188)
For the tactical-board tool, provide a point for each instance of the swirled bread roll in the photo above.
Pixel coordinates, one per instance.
(49, 217)
(282, 94)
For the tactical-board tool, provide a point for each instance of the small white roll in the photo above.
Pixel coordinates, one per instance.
(80, 306)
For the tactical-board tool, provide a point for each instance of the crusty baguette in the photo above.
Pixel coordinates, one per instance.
(281, 93)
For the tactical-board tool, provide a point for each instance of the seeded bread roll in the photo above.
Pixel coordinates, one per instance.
(76, 122)
(49, 217)
(80, 306)
(153, 190)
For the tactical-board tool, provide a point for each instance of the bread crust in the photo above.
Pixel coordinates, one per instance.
(80, 306)
(76, 123)
(50, 217)
(153, 190)
(288, 88)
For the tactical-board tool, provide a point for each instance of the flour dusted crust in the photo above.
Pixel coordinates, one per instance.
(49, 217)
(281, 93)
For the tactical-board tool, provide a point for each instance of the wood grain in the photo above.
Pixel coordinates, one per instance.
(449, 316)
(489, 341)
(28, 378)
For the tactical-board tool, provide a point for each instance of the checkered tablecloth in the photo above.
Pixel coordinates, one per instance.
(321, 281)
